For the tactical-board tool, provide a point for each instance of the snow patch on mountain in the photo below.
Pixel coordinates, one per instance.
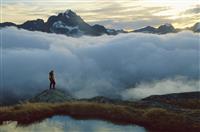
(66, 14)
(168, 25)
(60, 24)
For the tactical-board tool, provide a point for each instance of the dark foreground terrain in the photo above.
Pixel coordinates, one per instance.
(172, 112)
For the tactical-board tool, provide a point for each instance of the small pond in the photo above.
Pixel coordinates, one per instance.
(68, 124)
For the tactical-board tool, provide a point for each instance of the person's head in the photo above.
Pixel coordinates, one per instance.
(51, 71)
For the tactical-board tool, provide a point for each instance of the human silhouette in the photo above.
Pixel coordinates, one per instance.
(52, 80)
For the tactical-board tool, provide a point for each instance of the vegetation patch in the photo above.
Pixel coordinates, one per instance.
(156, 119)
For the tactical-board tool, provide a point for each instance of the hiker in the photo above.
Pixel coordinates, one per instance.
(52, 80)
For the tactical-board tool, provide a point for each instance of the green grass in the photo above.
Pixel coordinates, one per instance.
(155, 119)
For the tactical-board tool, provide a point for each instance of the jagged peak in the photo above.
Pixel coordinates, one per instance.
(166, 25)
(68, 13)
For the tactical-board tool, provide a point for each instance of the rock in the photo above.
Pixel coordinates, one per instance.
(52, 96)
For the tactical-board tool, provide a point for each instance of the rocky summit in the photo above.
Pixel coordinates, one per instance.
(52, 96)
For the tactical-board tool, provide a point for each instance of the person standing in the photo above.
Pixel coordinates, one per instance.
(52, 80)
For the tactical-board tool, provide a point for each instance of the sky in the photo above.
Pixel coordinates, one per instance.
(118, 14)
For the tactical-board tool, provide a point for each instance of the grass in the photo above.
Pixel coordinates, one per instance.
(186, 103)
(155, 119)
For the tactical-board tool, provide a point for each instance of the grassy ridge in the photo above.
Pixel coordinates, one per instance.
(156, 119)
(186, 103)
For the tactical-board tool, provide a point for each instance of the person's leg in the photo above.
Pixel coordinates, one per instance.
(54, 83)
(50, 85)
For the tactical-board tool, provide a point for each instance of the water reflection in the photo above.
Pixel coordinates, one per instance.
(67, 124)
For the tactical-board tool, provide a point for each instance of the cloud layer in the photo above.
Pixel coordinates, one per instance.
(159, 87)
(91, 66)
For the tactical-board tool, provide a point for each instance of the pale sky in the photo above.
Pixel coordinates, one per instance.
(119, 14)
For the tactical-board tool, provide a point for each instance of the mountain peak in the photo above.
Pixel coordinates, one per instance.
(167, 25)
(196, 27)
(69, 13)
(166, 28)
(33, 25)
(147, 29)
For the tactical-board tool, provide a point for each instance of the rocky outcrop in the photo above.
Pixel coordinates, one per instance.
(52, 96)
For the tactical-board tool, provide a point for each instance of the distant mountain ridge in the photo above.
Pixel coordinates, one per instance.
(163, 29)
(167, 28)
(70, 24)
(67, 23)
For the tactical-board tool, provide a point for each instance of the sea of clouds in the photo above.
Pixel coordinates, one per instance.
(127, 66)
